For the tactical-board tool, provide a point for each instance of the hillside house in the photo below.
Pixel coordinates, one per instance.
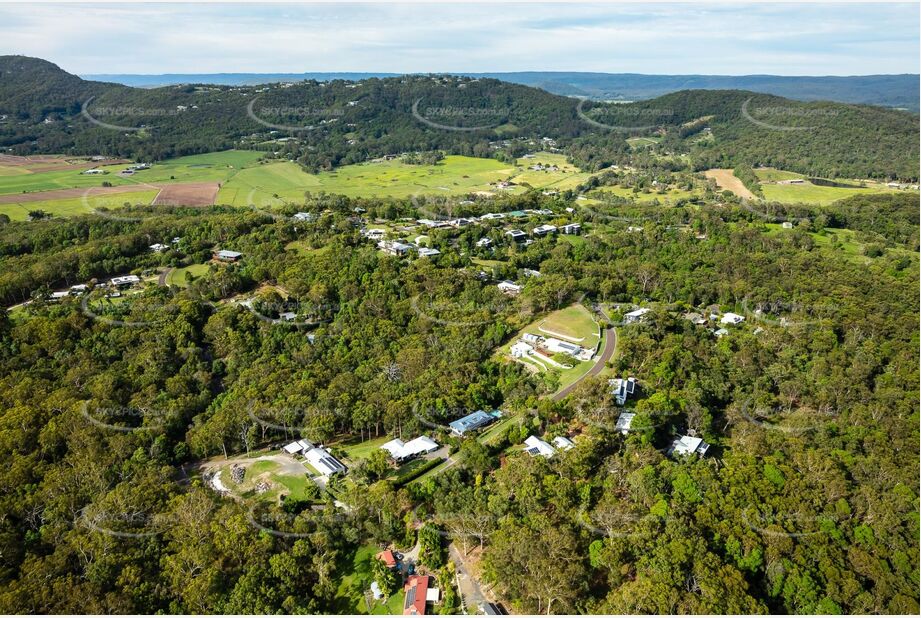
(622, 389)
(534, 446)
(472, 422)
(688, 445)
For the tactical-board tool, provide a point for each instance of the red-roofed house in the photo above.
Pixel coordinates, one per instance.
(416, 589)
(387, 558)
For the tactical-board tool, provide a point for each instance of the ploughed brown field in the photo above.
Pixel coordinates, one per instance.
(727, 180)
(187, 194)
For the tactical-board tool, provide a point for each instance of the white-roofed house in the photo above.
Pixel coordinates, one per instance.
(688, 445)
(159, 247)
(624, 422)
(124, 281)
(323, 462)
(535, 446)
(401, 451)
(732, 318)
(622, 389)
(563, 443)
(636, 315)
(292, 448)
(521, 349)
(225, 255)
(509, 287)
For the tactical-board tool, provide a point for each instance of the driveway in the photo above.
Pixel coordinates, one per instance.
(610, 344)
(470, 591)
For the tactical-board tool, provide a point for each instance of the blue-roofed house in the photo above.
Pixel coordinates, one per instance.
(472, 422)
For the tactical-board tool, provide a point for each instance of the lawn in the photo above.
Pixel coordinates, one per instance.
(19, 211)
(350, 594)
(282, 481)
(574, 323)
(356, 450)
(177, 276)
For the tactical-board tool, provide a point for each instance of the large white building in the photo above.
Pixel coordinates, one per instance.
(402, 451)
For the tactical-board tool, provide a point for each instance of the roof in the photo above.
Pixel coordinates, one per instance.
(556, 345)
(471, 421)
(426, 252)
(562, 442)
(292, 448)
(401, 450)
(688, 445)
(637, 313)
(125, 279)
(536, 446)
(387, 558)
(624, 421)
(415, 588)
(230, 255)
(731, 318)
(323, 461)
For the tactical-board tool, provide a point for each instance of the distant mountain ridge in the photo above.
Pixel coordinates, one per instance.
(323, 125)
(900, 90)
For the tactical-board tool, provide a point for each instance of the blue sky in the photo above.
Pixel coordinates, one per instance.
(730, 39)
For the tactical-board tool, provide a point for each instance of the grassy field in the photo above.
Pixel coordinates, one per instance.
(246, 181)
(643, 142)
(350, 594)
(808, 193)
(667, 196)
(282, 481)
(215, 166)
(842, 242)
(70, 207)
(177, 276)
(567, 176)
(574, 323)
(275, 183)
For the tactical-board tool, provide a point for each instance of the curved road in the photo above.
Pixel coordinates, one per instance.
(610, 344)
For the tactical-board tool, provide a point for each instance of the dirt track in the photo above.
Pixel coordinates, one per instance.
(727, 180)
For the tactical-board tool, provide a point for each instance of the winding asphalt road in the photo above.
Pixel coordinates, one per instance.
(610, 344)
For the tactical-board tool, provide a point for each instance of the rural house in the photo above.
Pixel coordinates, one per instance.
(688, 445)
(473, 421)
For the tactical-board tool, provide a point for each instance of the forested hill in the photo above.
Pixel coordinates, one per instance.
(889, 90)
(327, 124)
(723, 128)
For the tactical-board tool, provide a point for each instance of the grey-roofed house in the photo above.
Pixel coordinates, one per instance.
(471, 422)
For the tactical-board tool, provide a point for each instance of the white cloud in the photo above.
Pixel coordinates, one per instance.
(651, 38)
